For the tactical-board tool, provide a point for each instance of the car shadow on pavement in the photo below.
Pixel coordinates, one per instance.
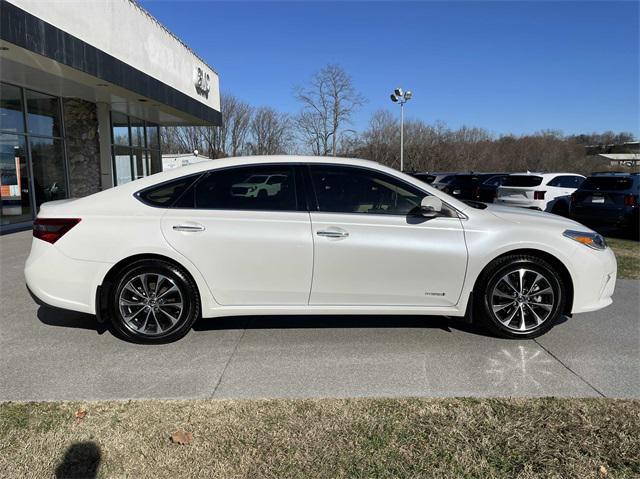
(336, 322)
(69, 319)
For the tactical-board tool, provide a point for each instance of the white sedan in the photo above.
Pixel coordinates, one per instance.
(341, 236)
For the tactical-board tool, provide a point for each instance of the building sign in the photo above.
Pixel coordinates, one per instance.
(202, 82)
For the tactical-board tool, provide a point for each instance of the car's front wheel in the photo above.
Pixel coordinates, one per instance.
(519, 296)
(153, 301)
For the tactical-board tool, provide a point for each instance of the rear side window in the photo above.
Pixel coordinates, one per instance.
(166, 194)
(523, 180)
(611, 183)
(567, 181)
(260, 187)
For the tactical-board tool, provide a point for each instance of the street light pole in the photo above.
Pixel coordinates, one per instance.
(402, 97)
(402, 136)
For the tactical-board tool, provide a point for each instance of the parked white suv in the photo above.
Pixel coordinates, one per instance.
(539, 191)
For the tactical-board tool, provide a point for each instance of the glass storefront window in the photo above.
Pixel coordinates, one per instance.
(120, 129)
(137, 133)
(15, 204)
(48, 169)
(43, 114)
(152, 136)
(155, 161)
(123, 171)
(141, 157)
(140, 163)
(11, 116)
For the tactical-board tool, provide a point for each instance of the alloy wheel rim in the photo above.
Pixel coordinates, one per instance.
(522, 300)
(150, 304)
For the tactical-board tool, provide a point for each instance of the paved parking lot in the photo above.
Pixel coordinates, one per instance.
(48, 354)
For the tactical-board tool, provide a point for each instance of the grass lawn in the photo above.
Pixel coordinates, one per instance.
(364, 438)
(628, 256)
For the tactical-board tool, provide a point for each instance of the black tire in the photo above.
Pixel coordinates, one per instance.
(486, 287)
(184, 317)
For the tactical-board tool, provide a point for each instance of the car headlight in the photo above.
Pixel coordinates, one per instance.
(590, 239)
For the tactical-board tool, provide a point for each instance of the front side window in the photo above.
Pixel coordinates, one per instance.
(342, 189)
(246, 188)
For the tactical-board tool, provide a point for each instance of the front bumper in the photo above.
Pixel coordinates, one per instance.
(594, 279)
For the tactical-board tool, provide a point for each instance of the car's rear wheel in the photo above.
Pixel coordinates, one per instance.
(153, 301)
(520, 296)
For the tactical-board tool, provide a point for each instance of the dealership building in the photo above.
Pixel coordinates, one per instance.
(84, 87)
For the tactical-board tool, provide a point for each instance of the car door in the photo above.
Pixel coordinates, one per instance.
(252, 249)
(371, 248)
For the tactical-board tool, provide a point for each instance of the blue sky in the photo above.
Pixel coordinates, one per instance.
(510, 67)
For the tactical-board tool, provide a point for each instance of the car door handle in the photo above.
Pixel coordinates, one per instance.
(188, 228)
(333, 234)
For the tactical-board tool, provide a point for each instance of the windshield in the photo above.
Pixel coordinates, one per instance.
(522, 180)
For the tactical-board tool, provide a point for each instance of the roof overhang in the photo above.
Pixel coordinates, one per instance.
(151, 75)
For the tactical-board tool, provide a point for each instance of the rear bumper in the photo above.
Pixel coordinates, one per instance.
(55, 279)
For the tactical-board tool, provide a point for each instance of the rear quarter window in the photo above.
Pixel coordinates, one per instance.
(166, 194)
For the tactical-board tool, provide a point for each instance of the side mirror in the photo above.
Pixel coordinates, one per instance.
(430, 206)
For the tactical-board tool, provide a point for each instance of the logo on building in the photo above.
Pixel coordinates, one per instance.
(202, 81)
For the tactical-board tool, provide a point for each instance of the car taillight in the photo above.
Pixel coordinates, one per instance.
(538, 195)
(629, 200)
(52, 229)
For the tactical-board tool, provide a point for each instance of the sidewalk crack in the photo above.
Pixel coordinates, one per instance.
(233, 353)
(571, 370)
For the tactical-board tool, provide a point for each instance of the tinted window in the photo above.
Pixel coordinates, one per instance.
(612, 183)
(571, 181)
(246, 188)
(522, 180)
(495, 180)
(166, 194)
(341, 189)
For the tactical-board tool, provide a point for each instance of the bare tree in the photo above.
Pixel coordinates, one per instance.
(328, 103)
(270, 132)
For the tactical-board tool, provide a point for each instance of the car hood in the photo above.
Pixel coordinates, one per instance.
(532, 217)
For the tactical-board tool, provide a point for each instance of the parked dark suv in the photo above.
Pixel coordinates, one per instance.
(608, 200)
(475, 186)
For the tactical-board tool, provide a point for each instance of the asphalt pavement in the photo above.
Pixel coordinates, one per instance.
(51, 354)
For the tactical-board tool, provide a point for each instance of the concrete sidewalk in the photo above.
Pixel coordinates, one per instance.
(48, 354)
